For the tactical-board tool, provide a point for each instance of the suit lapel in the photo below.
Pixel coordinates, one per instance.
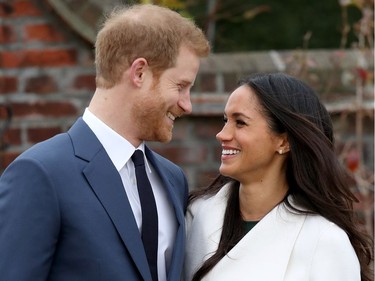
(107, 185)
(168, 183)
(179, 245)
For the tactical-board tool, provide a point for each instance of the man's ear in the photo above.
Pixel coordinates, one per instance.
(138, 71)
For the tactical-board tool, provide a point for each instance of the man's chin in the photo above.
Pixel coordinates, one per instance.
(162, 138)
(165, 139)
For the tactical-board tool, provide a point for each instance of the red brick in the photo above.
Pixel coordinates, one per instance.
(35, 135)
(7, 34)
(41, 58)
(8, 84)
(5, 9)
(181, 129)
(18, 9)
(41, 85)
(42, 108)
(12, 136)
(208, 129)
(10, 59)
(7, 158)
(183, 155)
(5, 111)
(86, 82)
(42, 32)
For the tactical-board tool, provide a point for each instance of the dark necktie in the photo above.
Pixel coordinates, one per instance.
(149, 213)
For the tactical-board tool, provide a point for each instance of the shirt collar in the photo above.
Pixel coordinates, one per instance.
(118, 148)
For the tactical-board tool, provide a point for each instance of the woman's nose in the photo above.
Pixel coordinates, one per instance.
(223, 135)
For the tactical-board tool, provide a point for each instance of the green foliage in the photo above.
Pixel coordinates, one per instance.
(244, 25)
(172, 4)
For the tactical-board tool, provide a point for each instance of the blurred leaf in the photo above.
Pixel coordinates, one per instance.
(252, 13)
(172, 4)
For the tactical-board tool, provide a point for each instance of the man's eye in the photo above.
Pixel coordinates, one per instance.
(180, 87)
(225, 119)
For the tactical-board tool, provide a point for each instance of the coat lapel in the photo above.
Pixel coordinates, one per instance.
(107, 185)
(264, 253)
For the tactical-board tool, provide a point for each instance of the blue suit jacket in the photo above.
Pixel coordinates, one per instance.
(65, 216)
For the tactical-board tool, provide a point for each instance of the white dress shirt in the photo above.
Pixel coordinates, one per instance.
(120, 151)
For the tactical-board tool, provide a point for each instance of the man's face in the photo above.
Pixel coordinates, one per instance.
(166, 99)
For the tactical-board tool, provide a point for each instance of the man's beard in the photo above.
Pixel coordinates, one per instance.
(151, 118)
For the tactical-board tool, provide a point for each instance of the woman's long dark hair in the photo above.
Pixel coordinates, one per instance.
(317, 181)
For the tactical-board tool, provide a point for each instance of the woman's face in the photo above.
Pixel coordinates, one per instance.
(250, 151)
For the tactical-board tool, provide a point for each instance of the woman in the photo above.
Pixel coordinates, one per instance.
(281, 208)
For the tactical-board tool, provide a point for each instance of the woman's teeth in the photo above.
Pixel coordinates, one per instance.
(230, 152)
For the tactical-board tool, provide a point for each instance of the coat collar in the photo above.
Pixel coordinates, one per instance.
(264, 252)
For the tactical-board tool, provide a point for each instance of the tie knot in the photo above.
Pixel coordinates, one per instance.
(138, 158)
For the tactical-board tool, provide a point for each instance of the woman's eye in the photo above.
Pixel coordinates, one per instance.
(240, 122)
(225, 119)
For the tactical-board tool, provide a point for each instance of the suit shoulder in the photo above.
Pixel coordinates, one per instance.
(163, 159)
(50, 149)
(166, 163)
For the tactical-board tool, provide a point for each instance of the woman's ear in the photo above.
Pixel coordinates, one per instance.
(283, 146)
(138, 71)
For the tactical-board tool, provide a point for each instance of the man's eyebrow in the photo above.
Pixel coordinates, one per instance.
(186, 82)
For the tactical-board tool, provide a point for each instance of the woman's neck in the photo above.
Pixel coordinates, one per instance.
(258, 199)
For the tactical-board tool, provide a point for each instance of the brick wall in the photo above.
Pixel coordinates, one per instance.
(47, 79)
(46, 75)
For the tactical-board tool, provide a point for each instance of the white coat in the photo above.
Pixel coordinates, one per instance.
(282, 247)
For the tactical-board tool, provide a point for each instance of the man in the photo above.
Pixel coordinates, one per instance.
(69, 206)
